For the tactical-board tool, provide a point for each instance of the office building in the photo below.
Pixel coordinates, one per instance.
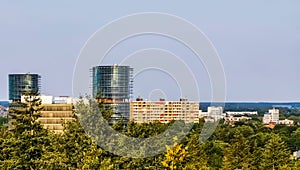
(113, 84)
(164, 111)
(20, 84)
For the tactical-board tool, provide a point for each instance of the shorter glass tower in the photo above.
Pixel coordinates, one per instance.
(114, 85)
(23, 83)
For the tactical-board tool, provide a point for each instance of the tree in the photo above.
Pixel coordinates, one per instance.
(175, 156)
(26, 140)
(238, 155)
(275, 154)
(80, 150)
(196, 157)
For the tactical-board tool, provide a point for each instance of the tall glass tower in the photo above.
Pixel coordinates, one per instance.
(23, 83)
(114, 85)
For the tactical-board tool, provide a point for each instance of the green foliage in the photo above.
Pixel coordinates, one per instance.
(275, 154)
(175, 156)
(238, 155)
(3, 120)
(248, 145)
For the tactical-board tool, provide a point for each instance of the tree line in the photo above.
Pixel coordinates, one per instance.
(247, 145)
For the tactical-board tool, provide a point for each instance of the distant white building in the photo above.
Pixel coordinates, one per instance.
(63, 100)
(52, 100)
(241, 113)
(267, 118)
(286, 122)
(272, 116)
(213, 114)
(232, 119)
(45, 99)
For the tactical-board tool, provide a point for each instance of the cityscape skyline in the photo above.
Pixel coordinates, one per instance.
(259, 50)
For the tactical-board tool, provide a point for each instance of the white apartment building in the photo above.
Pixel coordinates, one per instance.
(272, 116)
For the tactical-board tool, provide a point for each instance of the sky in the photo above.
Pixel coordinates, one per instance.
(257, 41)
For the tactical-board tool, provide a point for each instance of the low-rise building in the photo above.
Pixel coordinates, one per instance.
(164, 111)
(233, 119)
(229, 113)
(286, 122)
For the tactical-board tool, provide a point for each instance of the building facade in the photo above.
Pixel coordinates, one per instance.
(214, 113)
(53, 116)
(20, 84)
(272, 116)
(164, 111)
(113, 84)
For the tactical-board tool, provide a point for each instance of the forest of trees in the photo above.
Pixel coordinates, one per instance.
(247, 145)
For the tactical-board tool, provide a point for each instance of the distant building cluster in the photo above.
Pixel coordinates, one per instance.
(216, 113)
(113, 86)
(271, 119)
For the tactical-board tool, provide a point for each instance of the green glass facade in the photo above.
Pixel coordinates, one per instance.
(22, 83)
(114, 83)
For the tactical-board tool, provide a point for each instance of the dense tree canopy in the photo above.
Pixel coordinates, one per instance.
(247, 145)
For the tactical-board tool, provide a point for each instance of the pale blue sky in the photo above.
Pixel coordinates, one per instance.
(258, 42)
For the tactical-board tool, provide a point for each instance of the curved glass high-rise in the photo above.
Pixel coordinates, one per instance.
(114, 85)
(23, 83)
